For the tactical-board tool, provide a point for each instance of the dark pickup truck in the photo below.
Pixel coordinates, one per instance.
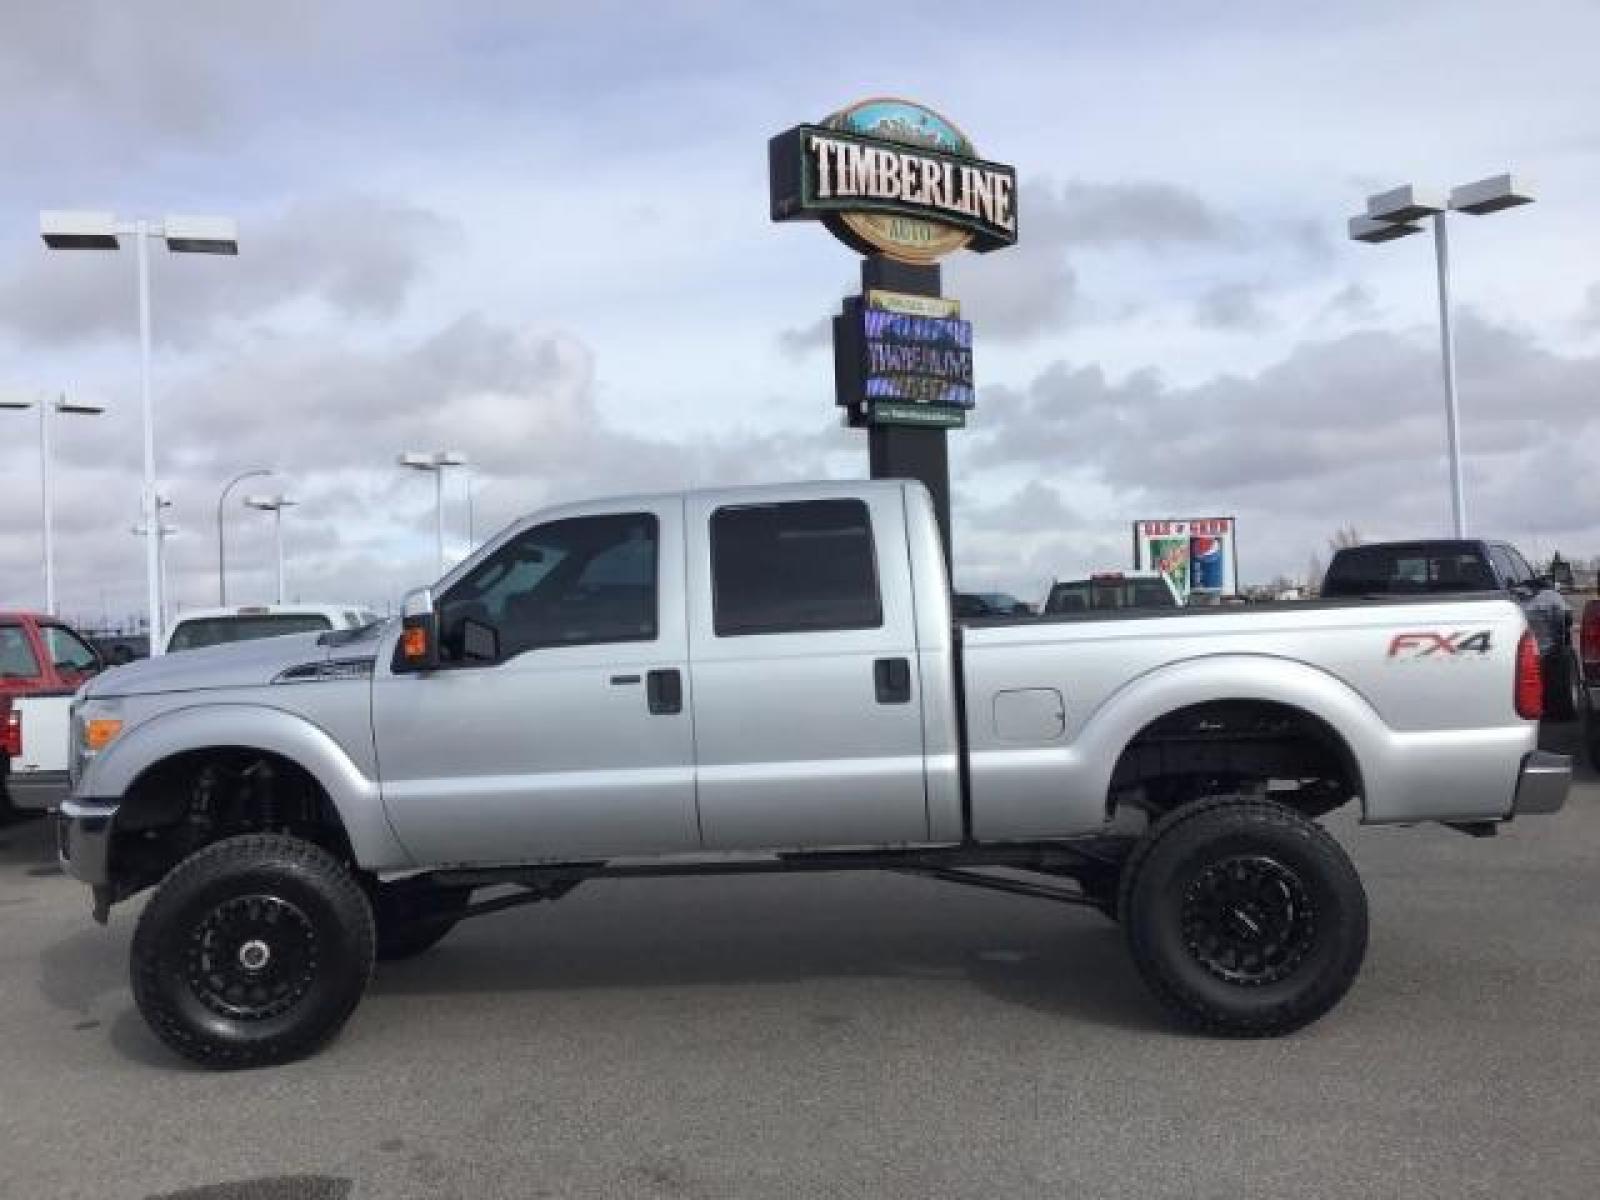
(1445, 565)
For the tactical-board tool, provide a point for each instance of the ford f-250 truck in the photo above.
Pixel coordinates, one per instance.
(770, 680)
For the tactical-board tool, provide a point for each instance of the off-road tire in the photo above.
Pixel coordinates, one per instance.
(1589, 732)
(1562, 685)
(1184, 916)
(259, 898)
(412, 919)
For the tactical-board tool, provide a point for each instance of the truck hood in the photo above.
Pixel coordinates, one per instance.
(235, 665)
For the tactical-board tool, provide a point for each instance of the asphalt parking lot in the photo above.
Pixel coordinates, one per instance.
(867, 1035)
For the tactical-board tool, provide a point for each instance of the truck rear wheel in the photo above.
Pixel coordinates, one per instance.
(1244, 918)
(1563, 687)
(254, 950)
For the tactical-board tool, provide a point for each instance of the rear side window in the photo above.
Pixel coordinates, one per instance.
(1406, 570)
(792, 568)
(17, 660)
(1152, 593)
(214, 631)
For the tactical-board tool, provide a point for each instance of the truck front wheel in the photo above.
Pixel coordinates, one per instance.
(1244, 918)
(254, 950)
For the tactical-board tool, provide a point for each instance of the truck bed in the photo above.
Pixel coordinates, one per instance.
(1418, 693)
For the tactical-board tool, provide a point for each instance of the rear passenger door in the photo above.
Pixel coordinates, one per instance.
(807, 702)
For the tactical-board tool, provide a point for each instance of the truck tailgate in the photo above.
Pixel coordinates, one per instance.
(38, 776)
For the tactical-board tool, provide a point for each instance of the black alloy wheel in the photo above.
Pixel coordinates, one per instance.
(252, 957)
(1248, 920)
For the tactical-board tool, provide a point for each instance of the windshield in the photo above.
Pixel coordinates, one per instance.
(214, 631)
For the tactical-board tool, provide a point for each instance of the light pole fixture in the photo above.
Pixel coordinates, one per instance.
(436, 461)
(163, 531)
(1390, 215)
(222, 547)
(64, 230)
(274, 505)
(58, 404)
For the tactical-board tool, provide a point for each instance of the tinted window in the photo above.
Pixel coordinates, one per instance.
(1081, 595)
(788, 568)
(70, 653)
(200, 632)
(1406, 570)
(17, 660)
(566, 583)
(1525, 573)
(1152, 593)
(1505, 565)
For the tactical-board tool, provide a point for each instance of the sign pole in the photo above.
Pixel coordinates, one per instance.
(902, 186)
(901, 451)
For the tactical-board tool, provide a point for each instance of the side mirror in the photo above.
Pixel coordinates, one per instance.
(479, 642)
(418, 649)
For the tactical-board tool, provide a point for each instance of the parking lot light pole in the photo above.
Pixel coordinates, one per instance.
(163, 532)
(222, 546)
(63, 230)
(275, 505)
(59, 404)
(436, 462)
(1392, 215)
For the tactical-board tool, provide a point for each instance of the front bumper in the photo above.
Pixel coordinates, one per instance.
(1542, 784)
(83, 840)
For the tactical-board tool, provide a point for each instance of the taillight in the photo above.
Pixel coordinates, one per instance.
(1530, 680)
(1589, 632)
(11, 733)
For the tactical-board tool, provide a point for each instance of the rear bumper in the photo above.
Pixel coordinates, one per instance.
(83, 839)
(37, 791)
(1542, 784)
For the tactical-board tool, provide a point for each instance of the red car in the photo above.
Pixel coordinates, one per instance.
(41, 654)
(39, 657)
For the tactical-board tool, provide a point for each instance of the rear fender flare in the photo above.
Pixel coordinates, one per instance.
(1108, 731)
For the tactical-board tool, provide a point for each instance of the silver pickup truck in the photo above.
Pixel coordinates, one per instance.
(769, 680)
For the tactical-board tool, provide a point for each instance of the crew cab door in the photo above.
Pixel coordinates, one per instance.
(807, 701)
(574, 740)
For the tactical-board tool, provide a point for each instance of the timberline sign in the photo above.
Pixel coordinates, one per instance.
(894, 178)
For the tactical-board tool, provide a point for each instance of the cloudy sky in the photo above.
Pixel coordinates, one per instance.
(538, 233)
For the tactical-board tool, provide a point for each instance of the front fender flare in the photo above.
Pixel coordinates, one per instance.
(355, 797)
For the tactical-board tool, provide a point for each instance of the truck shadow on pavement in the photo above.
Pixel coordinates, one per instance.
(1064, 963)
(634, 936)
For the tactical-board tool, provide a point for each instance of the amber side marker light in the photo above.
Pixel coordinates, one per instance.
(101, 732)
(414, 643)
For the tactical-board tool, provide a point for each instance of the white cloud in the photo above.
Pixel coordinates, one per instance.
(540, 234)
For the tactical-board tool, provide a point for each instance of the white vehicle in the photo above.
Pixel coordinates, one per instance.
(201, 627)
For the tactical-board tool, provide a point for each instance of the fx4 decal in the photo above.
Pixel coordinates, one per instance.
(1439, 645)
